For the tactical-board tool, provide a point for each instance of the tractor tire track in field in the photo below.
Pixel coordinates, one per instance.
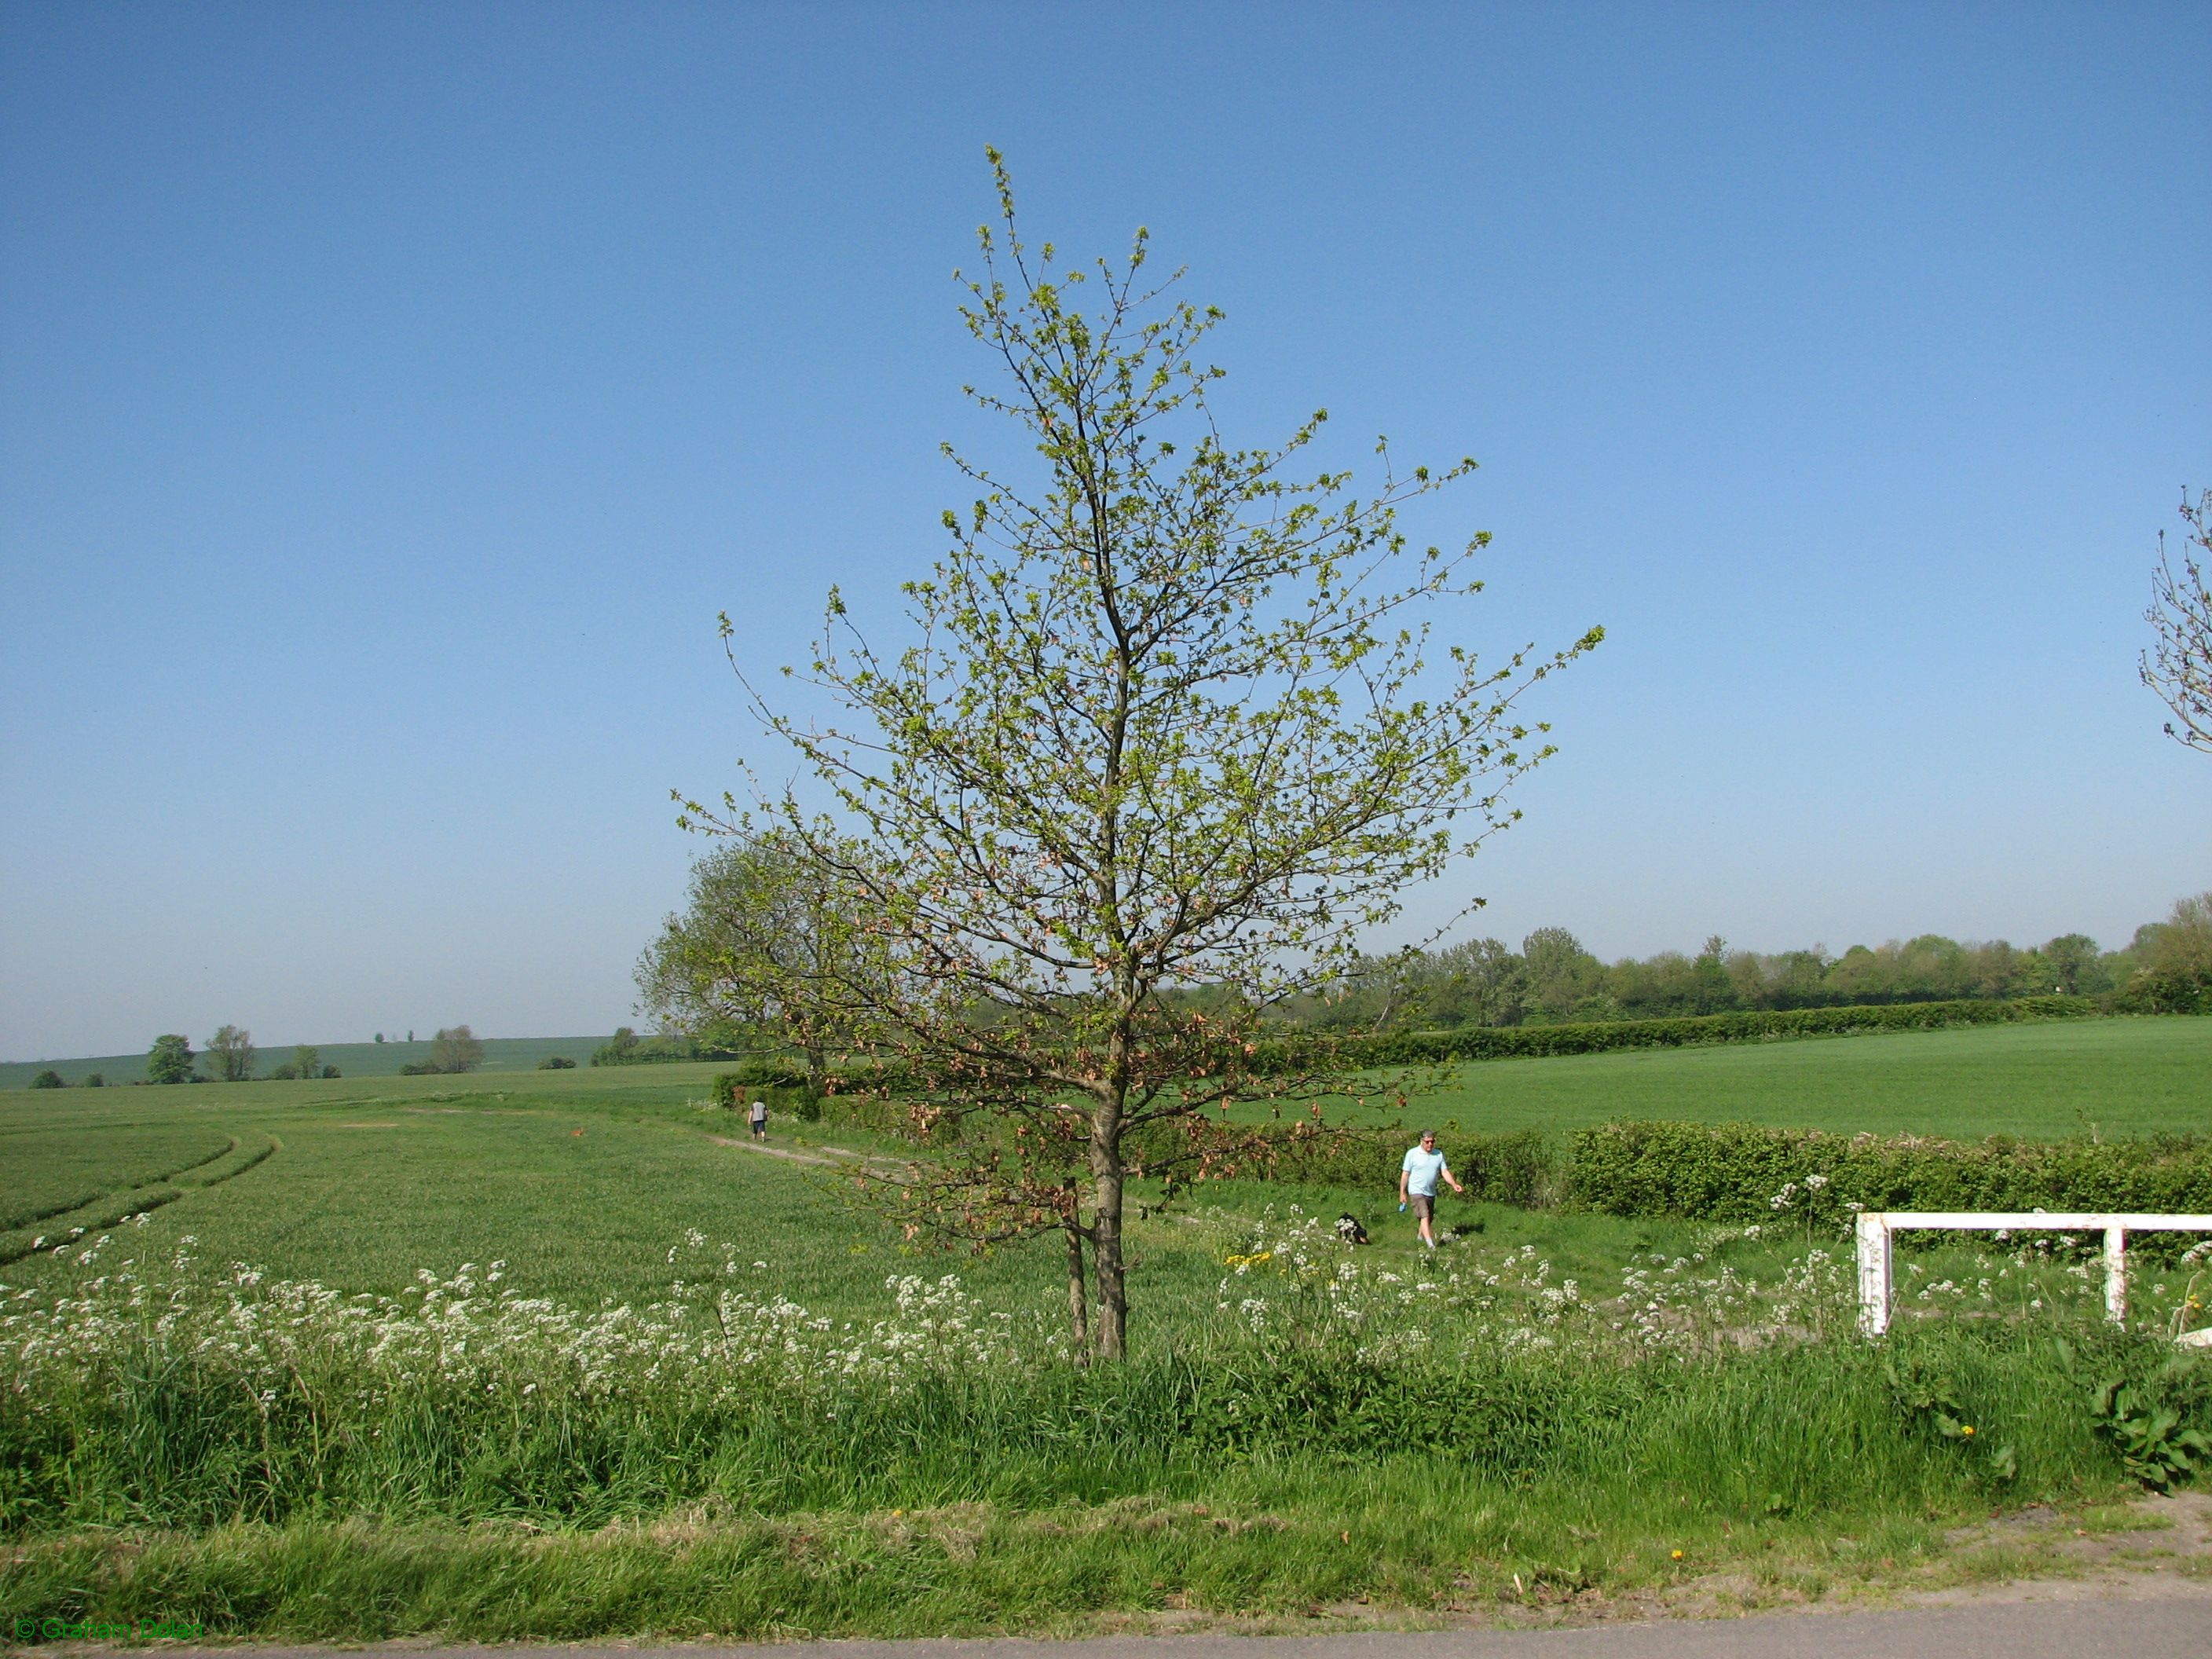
(142, 1199)
(84, 1198)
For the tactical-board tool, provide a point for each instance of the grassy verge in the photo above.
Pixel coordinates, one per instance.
(1402, 1543)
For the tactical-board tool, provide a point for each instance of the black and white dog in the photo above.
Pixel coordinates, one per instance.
(1349, 1230)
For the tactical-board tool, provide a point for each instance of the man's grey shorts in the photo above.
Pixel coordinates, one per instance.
(1425, 1206)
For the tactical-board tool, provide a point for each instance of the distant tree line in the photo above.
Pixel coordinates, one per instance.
(1553, 980)
(700, 975)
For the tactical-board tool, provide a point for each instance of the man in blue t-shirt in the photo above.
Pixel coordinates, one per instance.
(1417, 1184)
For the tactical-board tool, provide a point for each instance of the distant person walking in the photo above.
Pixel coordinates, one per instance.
(760, 1117)
(1417, 1184)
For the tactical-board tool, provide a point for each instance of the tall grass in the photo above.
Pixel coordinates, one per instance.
(157, 1398)
(273, 1457)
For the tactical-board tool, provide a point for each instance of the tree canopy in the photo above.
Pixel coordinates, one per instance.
(1171, 716)
(230, 1055)
(171, 1059)
(761, 916)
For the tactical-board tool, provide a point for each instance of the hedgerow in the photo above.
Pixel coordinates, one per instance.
(1301, 1050)
(1532, 1042)
(1735, 1172)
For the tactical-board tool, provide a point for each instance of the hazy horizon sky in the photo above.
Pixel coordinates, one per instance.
(390, 397)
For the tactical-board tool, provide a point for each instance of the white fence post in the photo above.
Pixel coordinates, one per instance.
(1874, 1273)
(1876, 1227)
(2116, 1274)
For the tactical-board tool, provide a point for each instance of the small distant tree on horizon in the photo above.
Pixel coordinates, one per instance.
(170, 1060)
(48, 1078)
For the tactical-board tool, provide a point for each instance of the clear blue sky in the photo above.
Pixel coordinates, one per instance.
(390, 395)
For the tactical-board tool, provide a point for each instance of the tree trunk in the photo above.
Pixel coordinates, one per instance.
(817, 1072)
(1079, 1304)
(1106, 1179)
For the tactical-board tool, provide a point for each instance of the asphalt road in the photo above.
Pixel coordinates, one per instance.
(2177, 1625)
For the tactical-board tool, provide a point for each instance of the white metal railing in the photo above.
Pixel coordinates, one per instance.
(1874, 1227)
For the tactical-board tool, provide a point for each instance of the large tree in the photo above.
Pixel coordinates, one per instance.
(455, 1048)
(761, 917)
(1172, 718)
(230, 1055)
(2179, 666)
(2176, 976)
(170, 1060)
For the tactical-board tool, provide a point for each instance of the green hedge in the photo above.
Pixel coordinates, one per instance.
(1732, 1172)
(1478, 1042)
(784, 1099)
(1520, 1041)
(1519, 1168)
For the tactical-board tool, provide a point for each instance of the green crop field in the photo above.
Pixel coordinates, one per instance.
(582, 1181)
(2111, 1077)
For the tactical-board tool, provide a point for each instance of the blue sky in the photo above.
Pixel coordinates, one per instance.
(391, 395)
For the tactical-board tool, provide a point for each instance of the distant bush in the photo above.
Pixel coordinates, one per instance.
(1521, 1167)
(94, 1080)
(455, 1048)
(556, 1063)
(48, 1080)
(765, 1071)
(330, 1071)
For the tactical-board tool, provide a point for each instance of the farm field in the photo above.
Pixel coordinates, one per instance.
(2044, 1082)
(582, 1181)
(582, 1186)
